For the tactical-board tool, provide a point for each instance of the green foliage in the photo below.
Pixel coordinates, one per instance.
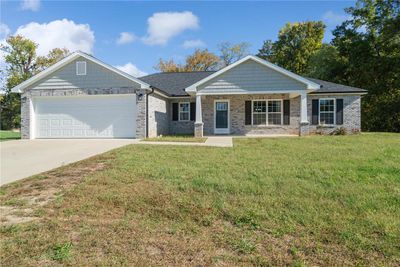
(326, 64)
(22, 63)
(370, 44)
(9, 135)
(364, 53)
(200, 60)
(232, 52)
(61, 252)
(296, 43)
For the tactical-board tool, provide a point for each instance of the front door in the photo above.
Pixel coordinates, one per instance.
(221, 117)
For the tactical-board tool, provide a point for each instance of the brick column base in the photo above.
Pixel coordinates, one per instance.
(304, 129)
(198, 129)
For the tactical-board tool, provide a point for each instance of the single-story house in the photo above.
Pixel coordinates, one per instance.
(82, 97)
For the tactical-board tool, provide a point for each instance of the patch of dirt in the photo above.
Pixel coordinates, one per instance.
(36, 192)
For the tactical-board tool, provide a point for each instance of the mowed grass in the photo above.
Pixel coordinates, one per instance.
(321, 200)
(177, 138)
(9, 135)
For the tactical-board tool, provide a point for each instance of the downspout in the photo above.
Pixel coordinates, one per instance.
(147, 111)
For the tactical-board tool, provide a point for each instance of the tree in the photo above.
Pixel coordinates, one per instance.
(326, 64)
(267, 51)
(369, 43)
(296, 43)
(232, 52)
(53, 57)
(168, 66)
(201, 60)
(22, 63)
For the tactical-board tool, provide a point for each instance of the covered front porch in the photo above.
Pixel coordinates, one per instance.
(257, 114)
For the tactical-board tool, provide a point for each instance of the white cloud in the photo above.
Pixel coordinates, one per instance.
(332, 18)
(59, 33)
(193, 43)
(33, 5)
(165, 25)
(131, 69)
(4, 30)
(126, 38)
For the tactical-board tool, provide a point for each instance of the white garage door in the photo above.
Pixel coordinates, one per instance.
(110, 116)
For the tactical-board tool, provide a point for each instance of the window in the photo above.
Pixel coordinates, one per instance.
(263, 116)
(275, 112)
(184, 111)
(327, 111)
(259, 112)
(81, 68)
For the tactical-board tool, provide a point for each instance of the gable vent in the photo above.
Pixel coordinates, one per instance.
(81, 68)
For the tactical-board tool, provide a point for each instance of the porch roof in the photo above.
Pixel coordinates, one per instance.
(174, 83)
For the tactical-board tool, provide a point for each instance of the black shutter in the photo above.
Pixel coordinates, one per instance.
(192, 111)
(315, 111)
(286, 112)
(339, 111)
(175, 111)
(247, 112)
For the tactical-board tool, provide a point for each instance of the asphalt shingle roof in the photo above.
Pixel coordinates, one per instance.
(174, 83)
(328, 87)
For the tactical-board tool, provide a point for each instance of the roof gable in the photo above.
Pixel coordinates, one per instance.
(67, 60)
(289, 76)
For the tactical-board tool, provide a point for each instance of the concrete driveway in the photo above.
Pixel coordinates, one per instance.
(23, 158)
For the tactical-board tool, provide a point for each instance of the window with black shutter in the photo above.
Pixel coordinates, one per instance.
(247, 112)
(175, 111)
(286, 112)
(339, 111)
(193, 111)
(315, 112)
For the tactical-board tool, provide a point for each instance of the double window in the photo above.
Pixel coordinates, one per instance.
(327, 111)
(267, 112)
(184, 111)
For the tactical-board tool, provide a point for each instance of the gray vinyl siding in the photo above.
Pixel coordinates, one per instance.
(96, 77)
(251, 76)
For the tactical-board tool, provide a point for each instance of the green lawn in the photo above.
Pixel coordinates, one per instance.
(321, 200)
(9, 135)
(177, 138)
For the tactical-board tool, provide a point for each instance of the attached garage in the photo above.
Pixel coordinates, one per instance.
(103, 116)
(82, 97)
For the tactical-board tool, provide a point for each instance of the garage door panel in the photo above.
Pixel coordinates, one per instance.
(85, 117)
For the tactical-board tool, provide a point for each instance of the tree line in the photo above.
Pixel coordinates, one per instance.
(364, 52)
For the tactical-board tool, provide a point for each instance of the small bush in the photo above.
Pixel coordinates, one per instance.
(339, 131)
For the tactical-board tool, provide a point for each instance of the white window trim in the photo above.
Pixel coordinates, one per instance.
(252, 111)
(179, 111)
(80, 62)
(266, 112)
(334, 111)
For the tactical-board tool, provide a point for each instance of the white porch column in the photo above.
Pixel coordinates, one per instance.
(304, 124)
(303, 108)
(199, 116)
(198, 124)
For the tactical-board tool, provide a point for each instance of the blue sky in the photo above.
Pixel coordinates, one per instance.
(154, 30)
